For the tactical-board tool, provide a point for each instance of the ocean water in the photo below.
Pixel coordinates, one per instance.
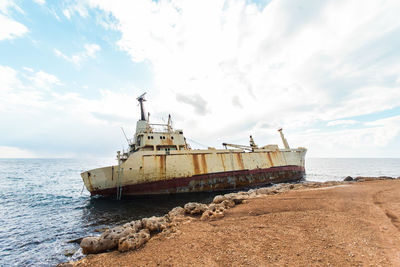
(43, 204)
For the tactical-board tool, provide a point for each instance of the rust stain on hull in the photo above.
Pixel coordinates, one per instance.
(196, 167)
(162, 166)
(239, 161)
(204, 163)
(222, 160)
(269, 160)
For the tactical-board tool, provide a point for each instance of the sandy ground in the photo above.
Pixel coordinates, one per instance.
(354, 225)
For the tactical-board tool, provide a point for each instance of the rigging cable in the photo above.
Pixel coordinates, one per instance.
(191, 140)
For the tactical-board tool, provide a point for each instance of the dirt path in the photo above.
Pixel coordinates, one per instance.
(352, 225)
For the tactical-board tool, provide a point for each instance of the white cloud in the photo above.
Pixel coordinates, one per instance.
(10, 28)
(287, 63)
(51, 123)
(15, 95)
(28, 69)
(67, 14)
(374, 140)
(43, 80)
(6, 5)
(8, 79)
(89, 52)
(40, 2)
(76, 8)
(15, 152)
(341, 122)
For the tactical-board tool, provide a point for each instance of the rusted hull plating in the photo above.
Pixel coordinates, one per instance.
(211, 181)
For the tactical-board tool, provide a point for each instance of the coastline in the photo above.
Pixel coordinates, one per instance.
(350, 223)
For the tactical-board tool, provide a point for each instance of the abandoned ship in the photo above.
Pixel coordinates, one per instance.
(160, 161)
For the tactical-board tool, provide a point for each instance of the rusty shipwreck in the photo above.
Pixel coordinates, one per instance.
(160, 161)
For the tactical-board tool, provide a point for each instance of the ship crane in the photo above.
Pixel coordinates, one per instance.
(251, 147)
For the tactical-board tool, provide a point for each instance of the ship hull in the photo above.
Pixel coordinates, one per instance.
(211, 182)
(203, 171)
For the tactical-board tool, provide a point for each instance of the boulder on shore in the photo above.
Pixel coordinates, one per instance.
(154, 224)
(133, 241)
(135, 226)
(195, 208)
(348, 179)
(218, 199)
(107, 241)
(176, 212)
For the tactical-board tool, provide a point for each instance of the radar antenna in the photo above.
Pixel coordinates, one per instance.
(141, 100)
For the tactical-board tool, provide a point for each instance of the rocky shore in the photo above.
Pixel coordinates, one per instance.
(129, 240)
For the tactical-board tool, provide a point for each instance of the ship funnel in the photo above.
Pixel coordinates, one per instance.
(284, 141)
(142, 113)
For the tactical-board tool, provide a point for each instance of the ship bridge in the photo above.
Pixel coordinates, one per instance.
(156, 137)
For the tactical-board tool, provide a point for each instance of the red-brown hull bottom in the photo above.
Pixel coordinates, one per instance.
(211, 182)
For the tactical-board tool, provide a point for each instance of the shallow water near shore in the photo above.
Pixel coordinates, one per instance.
(44, 205)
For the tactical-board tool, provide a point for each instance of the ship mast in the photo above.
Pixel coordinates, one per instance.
(142, 113)
(284, 141)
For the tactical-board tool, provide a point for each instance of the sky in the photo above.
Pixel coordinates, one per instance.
(327, 72)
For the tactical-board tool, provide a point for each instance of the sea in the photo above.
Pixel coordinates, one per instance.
(44, 206)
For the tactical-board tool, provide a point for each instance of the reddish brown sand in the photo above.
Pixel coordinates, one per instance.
(350, 225)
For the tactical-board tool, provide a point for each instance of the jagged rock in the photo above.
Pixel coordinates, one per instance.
(217, 215)
(101, 229)
(175, 212)
(77, 240)
(136, 226)
(107, 241)
(90, 245)
(65, 264)
(212, 215)
(69, 252)
(228, 203)
(253, 194)
(206, 215)
(116, 233)
(386, 177)
(243, 193)
(263, 190)
(133, 241)
(230, 195)
(238, 199)
(154, 224)
(218, 199)
(195, 208)
(348, 179)
(212, 206)
(220, 207)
